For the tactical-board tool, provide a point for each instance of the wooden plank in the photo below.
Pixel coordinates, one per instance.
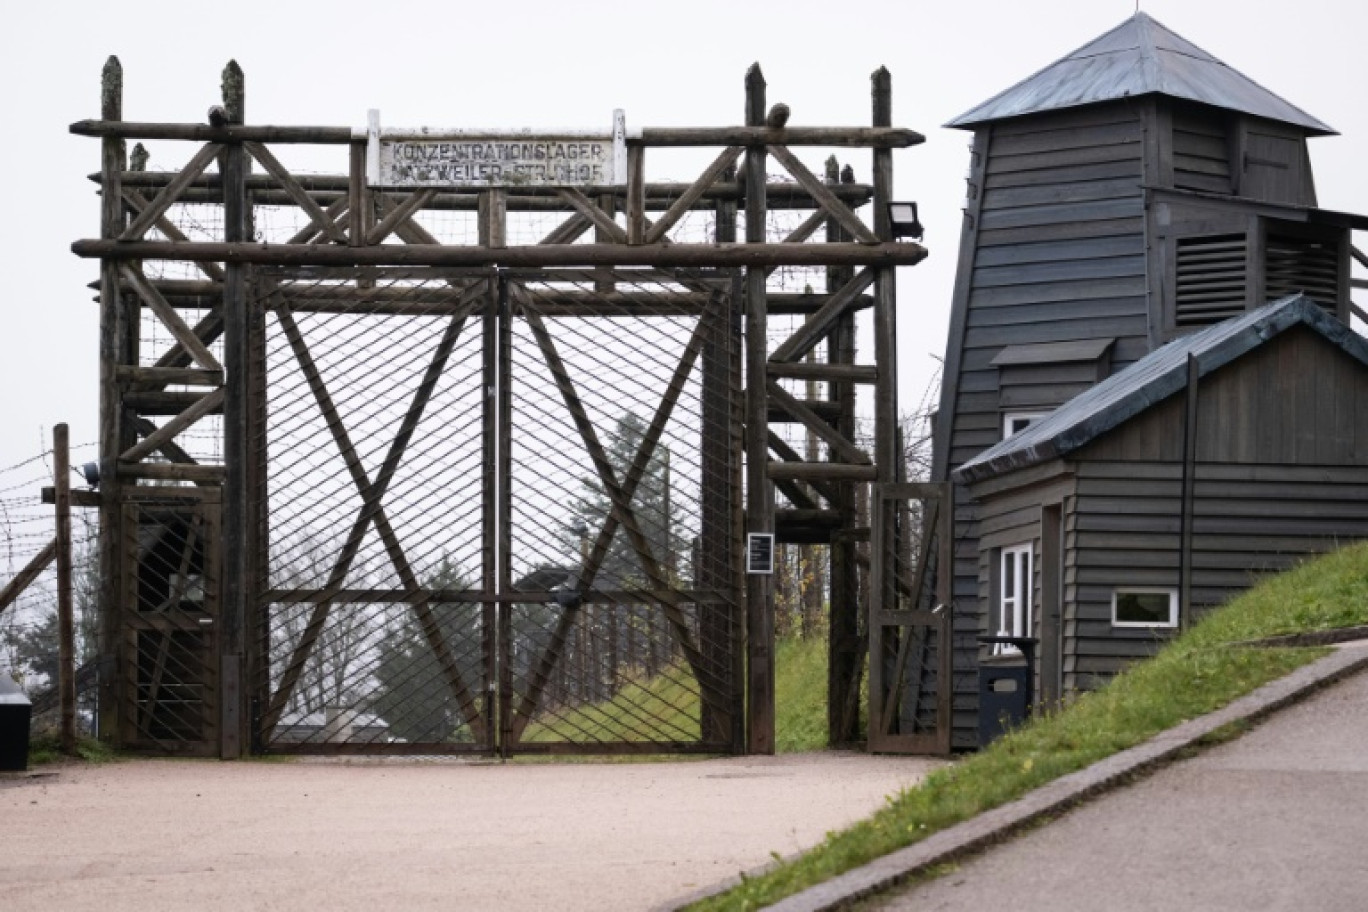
(172, 320)
(317, 217)
(203, 406)
(171, 192)
(30, 572)
(1063, 271)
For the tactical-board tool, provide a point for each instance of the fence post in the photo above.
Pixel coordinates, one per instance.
(66, 625)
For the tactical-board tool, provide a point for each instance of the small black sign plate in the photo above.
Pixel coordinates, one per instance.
(760, 552)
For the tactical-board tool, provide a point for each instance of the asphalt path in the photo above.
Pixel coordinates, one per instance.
(1275, 820)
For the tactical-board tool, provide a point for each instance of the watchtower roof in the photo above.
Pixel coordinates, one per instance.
(1139, 57)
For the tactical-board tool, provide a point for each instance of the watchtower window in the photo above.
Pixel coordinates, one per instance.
(1211, 279)
(1201, 149)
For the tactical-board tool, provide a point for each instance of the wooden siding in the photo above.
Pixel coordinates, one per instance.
(1249, 520)
(1201, 149)
(1054, 251)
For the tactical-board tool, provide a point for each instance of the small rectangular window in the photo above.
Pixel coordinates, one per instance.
(1016, 422)
(1133, 607)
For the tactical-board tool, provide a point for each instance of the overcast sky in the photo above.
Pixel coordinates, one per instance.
(537, 63)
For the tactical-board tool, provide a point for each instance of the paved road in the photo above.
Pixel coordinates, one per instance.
(1276, 820)
(151, 835)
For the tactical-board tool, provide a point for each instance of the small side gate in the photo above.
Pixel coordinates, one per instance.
(521, 537)
(910, 619)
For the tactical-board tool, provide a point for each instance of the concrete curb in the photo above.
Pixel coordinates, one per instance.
(995, 825)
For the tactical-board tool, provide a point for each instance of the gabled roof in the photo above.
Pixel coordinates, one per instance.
(1139, 57)
(1152, 379)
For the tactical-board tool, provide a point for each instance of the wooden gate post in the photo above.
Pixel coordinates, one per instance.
(66, 626)
(759, 490)
(114, 351)
(237, 565)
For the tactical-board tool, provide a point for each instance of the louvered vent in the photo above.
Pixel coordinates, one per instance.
(1298, 264)
(1212, 282)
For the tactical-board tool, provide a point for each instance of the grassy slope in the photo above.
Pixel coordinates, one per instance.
(1195, 674)
(670, 702)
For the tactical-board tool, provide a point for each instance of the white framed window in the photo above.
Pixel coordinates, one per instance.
(1136, 606)
(1016, 422)
(1014, 596)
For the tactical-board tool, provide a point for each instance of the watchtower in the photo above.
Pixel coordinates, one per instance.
(1133, 191)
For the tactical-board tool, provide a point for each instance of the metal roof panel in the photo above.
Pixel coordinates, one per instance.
(1138, 57)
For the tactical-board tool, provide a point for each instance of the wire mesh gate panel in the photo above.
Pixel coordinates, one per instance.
(910, 619)
(500, 511)
(171, 696)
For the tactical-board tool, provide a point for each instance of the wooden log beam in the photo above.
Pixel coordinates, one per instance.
(163, 376)
(822, 471)
(660, 196)
(853, 137)
(823, 195)
(691, 196)
(831, 373)
(816, 328)
(168, 431)
(318, 219)
(171, 193)
(183, 334)
(759, 254)
(840, 446)
(172, 471)
(25, 577)
(229, 133)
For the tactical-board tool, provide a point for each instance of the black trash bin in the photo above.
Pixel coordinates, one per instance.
(1005, 687)
(15, 712)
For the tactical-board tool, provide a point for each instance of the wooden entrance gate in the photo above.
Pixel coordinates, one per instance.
(484, 439)
(518, 561)
(910, 697)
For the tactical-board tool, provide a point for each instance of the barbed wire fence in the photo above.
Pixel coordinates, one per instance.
(29, 628)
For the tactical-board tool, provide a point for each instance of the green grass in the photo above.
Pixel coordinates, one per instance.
(800, 686)
(46, 747)
(1195, 674)
(668, 705)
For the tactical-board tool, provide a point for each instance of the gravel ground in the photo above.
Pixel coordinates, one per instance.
(153, 834)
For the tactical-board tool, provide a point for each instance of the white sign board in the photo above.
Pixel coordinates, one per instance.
(480, 158)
